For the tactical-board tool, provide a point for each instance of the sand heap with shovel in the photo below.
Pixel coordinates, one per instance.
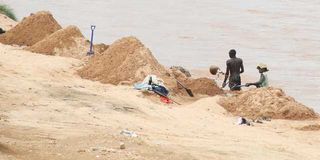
(31, 30)
(126, 60)
(68, 42)
(266, 102)
(204, 86)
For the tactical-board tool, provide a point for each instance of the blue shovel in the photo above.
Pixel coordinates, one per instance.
(91, 52)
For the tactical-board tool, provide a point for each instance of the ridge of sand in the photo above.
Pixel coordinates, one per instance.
(48, 112)
(126, 59)
(31, 29)
(67, 42)
(202, 85)
(311, 127)
(100, 48)
(267, 102)
(6, 23)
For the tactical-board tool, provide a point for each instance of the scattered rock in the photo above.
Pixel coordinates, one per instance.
(110, 150)
(122, 145)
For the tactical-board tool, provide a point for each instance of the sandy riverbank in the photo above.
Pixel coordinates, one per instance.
(49, 112)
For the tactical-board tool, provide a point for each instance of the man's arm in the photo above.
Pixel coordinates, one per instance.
(241, 67)
(226, 76)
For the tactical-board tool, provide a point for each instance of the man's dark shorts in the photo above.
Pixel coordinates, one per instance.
(235, 81)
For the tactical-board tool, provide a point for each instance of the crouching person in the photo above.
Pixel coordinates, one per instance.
(263, 81)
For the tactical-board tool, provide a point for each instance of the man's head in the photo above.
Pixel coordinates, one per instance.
(232, 53)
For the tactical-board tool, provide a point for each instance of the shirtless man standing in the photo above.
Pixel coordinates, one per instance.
(234, 69)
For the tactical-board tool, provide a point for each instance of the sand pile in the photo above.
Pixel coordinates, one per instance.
(182, 70)
(100, 48)
(31, 29)
(266, 102)
(126, 60)
(68, 42)
(312, 127)
(6, 23)
(204, 86)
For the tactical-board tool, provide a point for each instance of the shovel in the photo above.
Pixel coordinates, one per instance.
(91, 52)
(187, 89)
(238, 86)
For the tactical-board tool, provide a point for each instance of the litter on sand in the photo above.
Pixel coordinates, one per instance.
(128, 133)
(155, 84)
(242, 121)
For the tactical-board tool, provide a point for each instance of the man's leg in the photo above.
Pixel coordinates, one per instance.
(233, 85)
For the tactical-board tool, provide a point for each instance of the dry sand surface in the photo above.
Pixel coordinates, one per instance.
(6, 23)
(50, 113)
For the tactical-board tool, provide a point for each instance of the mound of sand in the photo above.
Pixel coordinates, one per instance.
(181, 69)
(6, 23)
(266, 102)
(126, 60)
(31, 29)
(100, 48)
(312, 127)
(68, 42)
(204, 86)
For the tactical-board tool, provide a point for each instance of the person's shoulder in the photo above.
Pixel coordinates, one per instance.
(239, 59)
(229, 61)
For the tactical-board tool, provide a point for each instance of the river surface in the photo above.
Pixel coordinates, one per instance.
(284, 34)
